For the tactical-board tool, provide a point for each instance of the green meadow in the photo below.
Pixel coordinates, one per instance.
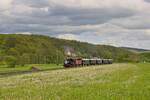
(105, 82)
(5, 70)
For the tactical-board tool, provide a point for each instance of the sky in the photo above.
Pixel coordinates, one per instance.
(124, 23)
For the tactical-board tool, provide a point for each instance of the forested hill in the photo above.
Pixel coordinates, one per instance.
(24, 49)
(136, 49)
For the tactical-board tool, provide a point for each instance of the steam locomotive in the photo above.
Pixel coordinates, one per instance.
(77, 62)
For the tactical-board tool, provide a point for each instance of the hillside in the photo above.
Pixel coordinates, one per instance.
(136, 49)
(145, 56)
(143, 53)
(37, 49)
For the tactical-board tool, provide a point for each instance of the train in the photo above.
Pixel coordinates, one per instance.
(79, 62)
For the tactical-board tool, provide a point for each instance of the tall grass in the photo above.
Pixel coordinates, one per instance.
(107, 82)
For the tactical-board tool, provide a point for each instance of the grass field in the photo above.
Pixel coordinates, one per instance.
(18, 69)
(105, 82)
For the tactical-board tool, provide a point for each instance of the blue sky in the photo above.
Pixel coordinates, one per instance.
(114, 22)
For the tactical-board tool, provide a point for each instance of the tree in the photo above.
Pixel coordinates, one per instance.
(11, 61)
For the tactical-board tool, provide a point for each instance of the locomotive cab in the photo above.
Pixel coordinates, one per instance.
(72, 62)
(68, 62)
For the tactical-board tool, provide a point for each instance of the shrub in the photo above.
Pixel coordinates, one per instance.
(11, 61)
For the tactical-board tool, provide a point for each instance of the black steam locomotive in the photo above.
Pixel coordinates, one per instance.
(77, 62)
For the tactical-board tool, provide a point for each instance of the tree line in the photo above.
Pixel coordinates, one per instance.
(18, 49)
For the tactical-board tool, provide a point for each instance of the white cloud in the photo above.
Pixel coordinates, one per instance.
(116, 22)
(25, 33)
(130, 4)
(147, 32)
(5, 4)
(134, 22)
(67, 36)
(46, 9)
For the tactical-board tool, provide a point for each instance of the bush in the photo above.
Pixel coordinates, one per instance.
(11, 61)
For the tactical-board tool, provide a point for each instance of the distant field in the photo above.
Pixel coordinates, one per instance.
(106, 82)
(18, 69)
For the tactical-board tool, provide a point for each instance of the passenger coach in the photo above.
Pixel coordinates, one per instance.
(77, 62)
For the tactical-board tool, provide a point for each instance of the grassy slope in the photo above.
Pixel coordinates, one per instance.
(108, 82)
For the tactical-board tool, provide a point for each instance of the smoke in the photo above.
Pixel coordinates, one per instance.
(69, 51)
